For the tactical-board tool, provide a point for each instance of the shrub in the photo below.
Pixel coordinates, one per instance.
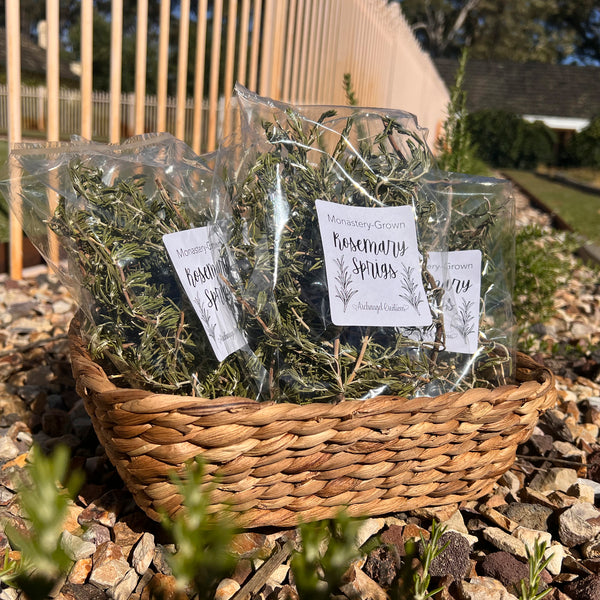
(543, 265)
(583, 149)
(504, 139)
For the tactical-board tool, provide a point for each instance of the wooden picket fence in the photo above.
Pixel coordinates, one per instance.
(291, 50)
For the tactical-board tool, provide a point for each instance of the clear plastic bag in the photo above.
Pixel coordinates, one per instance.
(283, 186)
(113, 206)
(479, 267)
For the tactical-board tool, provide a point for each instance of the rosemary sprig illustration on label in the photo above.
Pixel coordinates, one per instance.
(205, 316)
(410, 287)
(465, 325)
(344, 291)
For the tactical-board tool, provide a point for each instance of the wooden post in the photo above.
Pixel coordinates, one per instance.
(53, 125)
(289, 51)
(325, 55)
(334, 74)
(302, 98)
(256, 30)
(295, 75)
(266, 54)
(13, 77)
(199, 77)
(116, 61)
(87, 46)
(279, 50)
(243, 49)
(229, 62)
(52, 71)
(163, 66)
(182, 62)
(141, 45)
(213, 86)
(314, 55)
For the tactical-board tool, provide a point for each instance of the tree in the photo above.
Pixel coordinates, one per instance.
(523, 30)
(439, 24)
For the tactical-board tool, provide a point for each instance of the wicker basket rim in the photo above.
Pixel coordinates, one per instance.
(535, 380)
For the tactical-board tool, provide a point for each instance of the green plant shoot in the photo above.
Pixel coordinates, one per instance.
(44, 501)
(202, 539)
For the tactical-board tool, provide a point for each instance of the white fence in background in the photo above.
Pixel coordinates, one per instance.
(34, 116)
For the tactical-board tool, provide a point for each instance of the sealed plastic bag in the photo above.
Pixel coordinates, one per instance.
(114, 205)
(324, 215)
(477, 275)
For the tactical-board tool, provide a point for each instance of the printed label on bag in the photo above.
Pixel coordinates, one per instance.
(193, 255)
(373, 265)
(459, 273)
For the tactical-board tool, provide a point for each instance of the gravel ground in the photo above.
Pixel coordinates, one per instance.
(552, 492)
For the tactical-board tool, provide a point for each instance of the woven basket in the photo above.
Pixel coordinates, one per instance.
(279, 464)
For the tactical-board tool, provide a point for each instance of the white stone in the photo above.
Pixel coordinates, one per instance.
(530, 536)
(60, 307)
(554, 479)
(367, 529)
(105, 575)
(143, 553)
(557, 553)
(8, 449)
(483, 588)
(593, 484)
(511, 481)
(568, 450)
(125, 587)
(583, 492)
(9, 594)
(226, 589)
(456, 523)
(277, 577)
(575, 526)
(74, 547)
(505, 541)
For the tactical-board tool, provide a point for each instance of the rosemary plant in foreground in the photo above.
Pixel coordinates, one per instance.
(137, 315)
(273, 236)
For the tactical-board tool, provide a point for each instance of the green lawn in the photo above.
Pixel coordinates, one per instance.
(579, 209)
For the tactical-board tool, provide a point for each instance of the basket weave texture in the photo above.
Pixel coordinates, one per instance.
(281, 464)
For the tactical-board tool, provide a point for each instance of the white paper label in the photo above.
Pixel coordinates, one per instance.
(372, 265)
(461, 274)
(192, 254)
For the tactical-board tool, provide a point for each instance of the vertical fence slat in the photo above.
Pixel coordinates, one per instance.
(13, 77)
(116, 60)
(313, 67)
(304, 52)
(52, 70)
(326, 51)
(141, 45)
(182, 63)
(213, 86)
(243, 47)
(256, 31)
(87, 62)
(199, 76)
(163, 65)
(289, 50)
(332, 74)
(295, 75)
(266, 51)
(278, 37)
(53, 104)
(229, 61)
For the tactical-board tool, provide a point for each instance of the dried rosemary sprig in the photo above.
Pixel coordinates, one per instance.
(274, 238)
(138, 316)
